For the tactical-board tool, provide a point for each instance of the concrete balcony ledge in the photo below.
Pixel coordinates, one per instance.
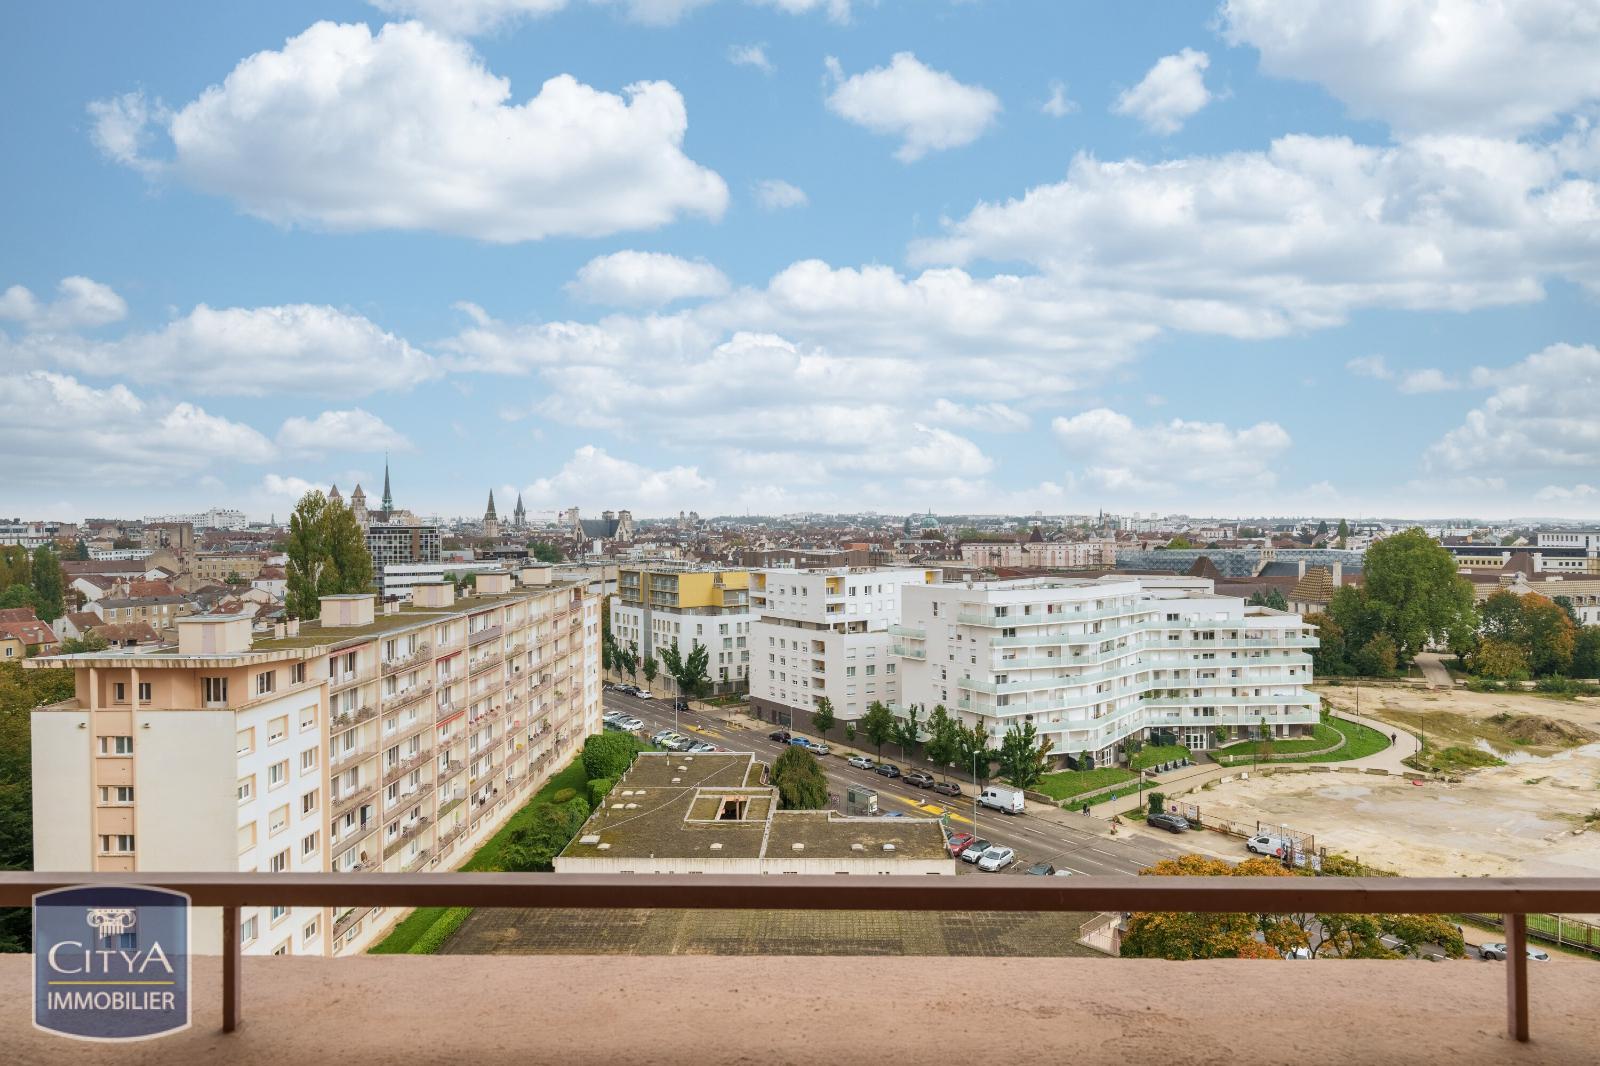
(720, 1009)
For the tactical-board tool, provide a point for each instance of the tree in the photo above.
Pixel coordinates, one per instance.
(89, 642)
(1499, 660)
(1156, 803)
(47, 583)
(1322, 528)
(20, 691)
(1186, 935)
(1424, 601)
(551, 827)
(1359, 618)
(907, 731)
(607, 655)
(1024, 755)
(546, 552)
(650, 668)
(327, 555)
(1586, 652)
(608, 755)
(1566, 604)
(942, 748)
(1500, 618)
(1179, 543)
(972, 744)
(1328, 659)
(1416, 931)
(688, 671)
(1272, 599)
(1377, 657)
(80, 551)
(1552, 635)
(878, 725)
(822, 718)
(19, 596)
(628, 660)
(1344, 532)
(801, 784)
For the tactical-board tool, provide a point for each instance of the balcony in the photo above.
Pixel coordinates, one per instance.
(405, 696)
(347, 719)
(398, 770)
(1395, 1011)
(343, 801)
(346, 678)
(390, 666)
(486, 633)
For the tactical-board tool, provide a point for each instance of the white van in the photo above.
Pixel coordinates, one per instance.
(1004, 800)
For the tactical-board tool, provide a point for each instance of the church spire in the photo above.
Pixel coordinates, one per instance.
(490, 512)
(388, 498)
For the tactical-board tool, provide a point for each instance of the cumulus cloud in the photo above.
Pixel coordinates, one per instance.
(115, 436)
(81, 302)
(1538, 421)
(1058, 105)
(750, 55)
(1172, 91)
(407, 129)
(479, 16)
(1579, 493)
(1256, 244)
(776, 195)
(1410, 382)
(927, 109)
(354, 430)
(289, 487)
(244, 351)
(1121, 456)
(994, 417)
(645, 279)
(1370, 366)
(1479, 66)
(595, 478)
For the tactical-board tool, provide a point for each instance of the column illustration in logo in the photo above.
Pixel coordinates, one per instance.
(111, 962)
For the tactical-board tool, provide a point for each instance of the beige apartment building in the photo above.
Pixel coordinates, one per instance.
(393, 740)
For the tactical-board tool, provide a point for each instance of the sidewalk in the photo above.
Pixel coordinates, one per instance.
(1431, 663)
(1406, 745)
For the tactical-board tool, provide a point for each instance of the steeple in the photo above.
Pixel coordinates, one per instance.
(488, 514)
(491, 521)
(388, 498)
(519, 517)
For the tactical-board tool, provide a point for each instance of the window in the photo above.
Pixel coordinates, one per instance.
(116, 794)
(278, 821)
(266, 681)
(245, 742)
(116, 745)
(277, 729)
(308, 845)
(119, 692)
(247, 788)
(308, 718)
(247, 930)
(308, 760)
(247, 837)
(279, 862)
(277, 773)
(297, 674)
(308, 802)
(116, 843)
(144, 692)
(309, 933)
(214, 690)
(279, 913)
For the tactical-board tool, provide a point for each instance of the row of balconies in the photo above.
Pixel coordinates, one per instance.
(486, 633)
(406, 695)
(349, 719)
(400, 662)
(344, 801)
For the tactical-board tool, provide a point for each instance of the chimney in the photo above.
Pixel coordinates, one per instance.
(1338, 574)
(294, 627)
(1302, 568)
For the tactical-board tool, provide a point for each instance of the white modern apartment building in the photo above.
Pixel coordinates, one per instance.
(660, 604)
(1094, 662)
(393, 740)
(825, 633)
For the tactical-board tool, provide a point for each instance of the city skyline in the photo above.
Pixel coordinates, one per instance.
(775, 256)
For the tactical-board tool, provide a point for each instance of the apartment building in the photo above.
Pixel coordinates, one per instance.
(216, 568)
(394, 740)
(1095, 662)
(825, 633)
(399, 543)
(662, 603)
(1041, 554)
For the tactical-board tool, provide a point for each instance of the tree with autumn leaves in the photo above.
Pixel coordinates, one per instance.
(1186, 935)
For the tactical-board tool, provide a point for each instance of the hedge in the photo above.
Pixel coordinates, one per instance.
(563, 795)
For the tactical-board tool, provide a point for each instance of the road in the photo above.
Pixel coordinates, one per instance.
(1033, 838)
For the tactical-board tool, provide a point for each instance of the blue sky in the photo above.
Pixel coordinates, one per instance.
(770, 255)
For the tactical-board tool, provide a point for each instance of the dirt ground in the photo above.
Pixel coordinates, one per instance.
(1583, 712)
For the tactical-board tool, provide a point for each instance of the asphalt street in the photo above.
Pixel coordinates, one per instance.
(1035, 839)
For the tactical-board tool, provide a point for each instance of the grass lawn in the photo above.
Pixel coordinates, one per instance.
(1322, 736)
(1454, 759)
(1069, 783)
(1359, 742)
(1154, 756)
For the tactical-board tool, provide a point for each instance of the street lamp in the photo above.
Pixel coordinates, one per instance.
(975, 791)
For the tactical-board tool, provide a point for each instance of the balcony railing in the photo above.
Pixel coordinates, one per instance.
(400, 662)
(347, 719)
(487, 633)
(1515, 898)
(406, 695)
(342, 802)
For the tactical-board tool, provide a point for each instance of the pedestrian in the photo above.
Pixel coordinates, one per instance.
(1394, 738)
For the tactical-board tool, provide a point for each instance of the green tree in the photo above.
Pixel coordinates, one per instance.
(822, 718)
(1552, 636)
(1500, 618)
(907, 731)
(1156, 803)
(1024, 755)
(688, 671)
(1359, 618)
(1586, 652)
(1272, 599)
(327, 555)
(80, 551)
(1180, 542)
(546, 552)
(1499, 660)
(628, 659)
(90, 642)
(1377, 657)
(608, 755)
(47, 583)
(801, 784)
(19, 596)
(1322, 528)
(878, 725)
(972, 745)
(1328, 658)
(550, 828)
(1424, 601)
(650, 668)
(1344, 532)
(942, 748)
(20, 691)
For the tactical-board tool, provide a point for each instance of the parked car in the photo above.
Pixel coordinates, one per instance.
(702, 748)
(1040, 869)
(860, 762)
(1172, 823)
(680, 704)
(947, 788)
(642, 694)
(974, 851)
(919, 779)
(1267, 845)
(1004, 800)
(819, 749)
(996, 859)
(781, 736)
(661, 737)
(959, 842)
(677, 742)
(888, 769)
(630, 723)
(894, 814)
(1498, 951)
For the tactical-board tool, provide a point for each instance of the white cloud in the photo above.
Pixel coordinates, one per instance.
(1121, 456)
(122, 128)
(82, 302)
(54, 427)
(1561, 494)
(993, 417)
(1539, 420)
(776, 195)
(480, 16)
(1416, 382)
(354, 430)
(1172, 91)
(928, 109)
(289, 487)
(245, 351)
(1059, 105)
(408, 130)
(1370, 366)
(1486, 66)
(593, 478)
(750, 55)
(1257, 244)
(645, 279)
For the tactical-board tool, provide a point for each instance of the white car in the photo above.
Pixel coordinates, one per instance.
(860, 762)
(629, 723)
(1498, 951)
(1267, 845)
(996, 859)
(643, 694)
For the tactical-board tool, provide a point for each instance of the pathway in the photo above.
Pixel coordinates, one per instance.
(1431, 663)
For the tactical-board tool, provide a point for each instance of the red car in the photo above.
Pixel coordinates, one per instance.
(960, 842)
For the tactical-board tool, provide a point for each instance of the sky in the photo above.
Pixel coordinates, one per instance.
(1325, 257)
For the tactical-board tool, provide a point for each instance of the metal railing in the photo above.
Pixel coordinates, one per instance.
(1515, 898)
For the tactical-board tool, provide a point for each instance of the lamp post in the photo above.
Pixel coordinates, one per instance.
(975, 791)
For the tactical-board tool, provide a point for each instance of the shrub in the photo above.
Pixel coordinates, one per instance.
(534, 846)
(598, 789)
(1158, 801)
(441, 930)
(562, 795)
(608, 755)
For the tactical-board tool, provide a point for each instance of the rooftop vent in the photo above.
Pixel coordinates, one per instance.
(675, 780)
(797, 847)
(888, 847)
(589, 838)
(633, 806)
(716, 847)
(858, 847)
(602, 847)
